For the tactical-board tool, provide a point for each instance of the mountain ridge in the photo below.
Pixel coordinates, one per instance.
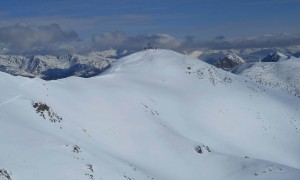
(283, 74)
(50, 67)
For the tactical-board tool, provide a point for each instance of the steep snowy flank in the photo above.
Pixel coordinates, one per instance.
(54, 67)
(229, 61)
(274, 57)
(284, 75)
(155, 114)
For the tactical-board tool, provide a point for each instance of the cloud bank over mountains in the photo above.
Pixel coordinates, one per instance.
(119, 40)
(266, 41)
(21, 38)
(52, 39)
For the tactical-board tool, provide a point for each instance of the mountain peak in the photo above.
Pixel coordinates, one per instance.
(229, 61)
(274, 57)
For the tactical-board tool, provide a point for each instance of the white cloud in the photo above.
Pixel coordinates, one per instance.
(120, 41)
(22, 38)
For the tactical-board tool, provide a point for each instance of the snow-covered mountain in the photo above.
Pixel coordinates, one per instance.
(248, 54)
(155, 114)
(284, 75)
(54, 67)
(229, 61)
(274, 57)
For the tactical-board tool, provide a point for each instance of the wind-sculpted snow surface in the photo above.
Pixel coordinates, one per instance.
(155, 114)
(284, 75)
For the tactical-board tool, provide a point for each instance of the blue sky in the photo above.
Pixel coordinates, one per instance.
(203, 19)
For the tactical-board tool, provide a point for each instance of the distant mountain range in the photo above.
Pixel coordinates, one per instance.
(248, 54)
(275, 70)
(54, 67)
(51, 67)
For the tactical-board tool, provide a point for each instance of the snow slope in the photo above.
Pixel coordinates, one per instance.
(283, 75)
(155, 114)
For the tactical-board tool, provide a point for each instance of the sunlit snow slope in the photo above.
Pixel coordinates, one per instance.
(283, 75)
(155, 114)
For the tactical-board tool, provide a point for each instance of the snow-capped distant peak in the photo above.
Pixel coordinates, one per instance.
(274, 57)
(229, 61)
(235, 58)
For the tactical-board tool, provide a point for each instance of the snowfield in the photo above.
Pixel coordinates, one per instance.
(155, 114)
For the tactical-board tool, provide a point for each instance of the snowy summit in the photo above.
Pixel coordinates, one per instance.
(229, 61)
